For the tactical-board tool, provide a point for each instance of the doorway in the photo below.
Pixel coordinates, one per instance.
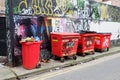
(3, 46)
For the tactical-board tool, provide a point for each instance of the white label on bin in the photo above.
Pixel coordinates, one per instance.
(105, 43)
(89, 42)
(97, 42)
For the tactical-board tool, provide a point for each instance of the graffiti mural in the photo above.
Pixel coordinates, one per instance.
(114, 13)
(65, 8)
(96, 12)
(77, 25)
(41, 7)
(37, 18)
(27, 26)
(104, 12)
(56, 24)
(70, 25)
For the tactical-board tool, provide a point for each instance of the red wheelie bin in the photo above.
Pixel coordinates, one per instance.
(102, 41)
(30, 54)
(86, 44)
(64, 44)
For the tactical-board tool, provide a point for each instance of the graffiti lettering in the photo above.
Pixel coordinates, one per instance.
(78, 25)
(15, 10)
(61, 8)
(81, 25)
(36, 7)
(70, 25)
(57, 26)
(22, 3)
(84, 10)
(49, 6)
(26, 11)
(104, 13)
(80, 4)
(95, 12)
(43, 7)
(114, 14)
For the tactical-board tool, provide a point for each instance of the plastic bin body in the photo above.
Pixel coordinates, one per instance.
(102, 40)
(86, 43)
(30, 54)
(64, 44)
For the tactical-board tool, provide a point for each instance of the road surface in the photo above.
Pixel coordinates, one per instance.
(106, 68)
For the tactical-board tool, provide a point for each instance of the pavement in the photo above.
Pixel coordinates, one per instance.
(17, 73)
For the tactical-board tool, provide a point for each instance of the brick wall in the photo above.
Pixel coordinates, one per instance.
(113, 2)
(116, 2)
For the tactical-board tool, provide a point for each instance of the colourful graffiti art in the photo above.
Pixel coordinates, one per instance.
(67, 16)
(56, 23)
(114, 13)
(57, 16)
(83, 9)
(41, 7)
(104, 12)
(27, 26)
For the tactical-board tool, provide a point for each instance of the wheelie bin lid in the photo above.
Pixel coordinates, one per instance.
(64, 33)
(30, 43)
(85, 31)
(103, 33)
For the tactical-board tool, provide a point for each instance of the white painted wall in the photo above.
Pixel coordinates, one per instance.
(112, 27)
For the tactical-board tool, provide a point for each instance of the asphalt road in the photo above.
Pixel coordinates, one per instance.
(106, 68)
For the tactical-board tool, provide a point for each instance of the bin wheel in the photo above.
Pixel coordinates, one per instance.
(74, 57)
(83, 54)
(101, 50)
(54, 57)
(108, 49)
(38, 65)
(62, 59)
(93, 53)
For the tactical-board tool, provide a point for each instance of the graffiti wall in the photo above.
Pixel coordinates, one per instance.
(31, 26)
(69, 24)
(67, 8)
(40, 17)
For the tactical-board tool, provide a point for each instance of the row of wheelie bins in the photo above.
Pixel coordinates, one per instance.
(70, 44)
(65, 45)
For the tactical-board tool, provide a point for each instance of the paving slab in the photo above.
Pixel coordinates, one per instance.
(6, 73)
